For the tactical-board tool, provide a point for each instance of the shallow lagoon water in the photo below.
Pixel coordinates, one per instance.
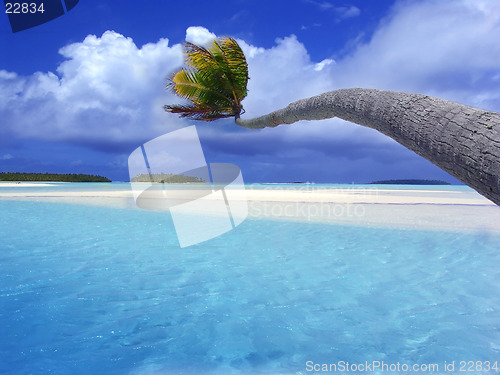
(99, 290)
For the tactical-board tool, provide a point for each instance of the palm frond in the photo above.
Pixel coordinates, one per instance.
(237, 68)
(215, 81)
(191, 85)
(200, 58)
(199, 112)
(209, 62)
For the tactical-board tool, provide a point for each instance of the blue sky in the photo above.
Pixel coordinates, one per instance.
(80, 93)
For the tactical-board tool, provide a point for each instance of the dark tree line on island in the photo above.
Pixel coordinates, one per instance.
(410, 182)
(53, 177)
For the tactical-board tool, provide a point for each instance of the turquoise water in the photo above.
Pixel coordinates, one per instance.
(97, 290)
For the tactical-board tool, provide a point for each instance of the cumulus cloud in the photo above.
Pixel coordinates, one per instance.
(108, 92)
(447, 48)
(282, 74)
(199, 35)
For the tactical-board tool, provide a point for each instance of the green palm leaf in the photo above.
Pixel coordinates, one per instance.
(215, 81)
(193, 86)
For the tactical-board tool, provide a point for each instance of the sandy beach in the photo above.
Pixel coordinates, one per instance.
(430, 208)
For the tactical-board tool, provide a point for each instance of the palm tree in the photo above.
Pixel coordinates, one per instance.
(215, 81)
(462, 140)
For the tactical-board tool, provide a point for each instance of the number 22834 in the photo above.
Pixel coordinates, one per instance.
(19, 8)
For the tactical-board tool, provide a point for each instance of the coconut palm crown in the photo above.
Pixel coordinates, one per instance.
(214, 81)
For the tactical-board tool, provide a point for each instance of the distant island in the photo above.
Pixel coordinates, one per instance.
(51, 177)
(410, 182)
(167, 178)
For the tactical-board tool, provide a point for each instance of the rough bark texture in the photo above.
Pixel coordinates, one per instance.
(462, 140)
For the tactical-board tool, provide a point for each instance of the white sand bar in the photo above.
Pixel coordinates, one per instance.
(430, 208)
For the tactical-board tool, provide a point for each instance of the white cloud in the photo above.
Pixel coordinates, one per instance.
(109, 90)
(7, 157)
(285, 73)
(106, 89)
(319, 66)
(347, 12)
(199, 35)
(323, 5)
(341, 12)
(282, 74)
(445, 48)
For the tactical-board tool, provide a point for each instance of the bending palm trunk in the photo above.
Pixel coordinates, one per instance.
(462, 140)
